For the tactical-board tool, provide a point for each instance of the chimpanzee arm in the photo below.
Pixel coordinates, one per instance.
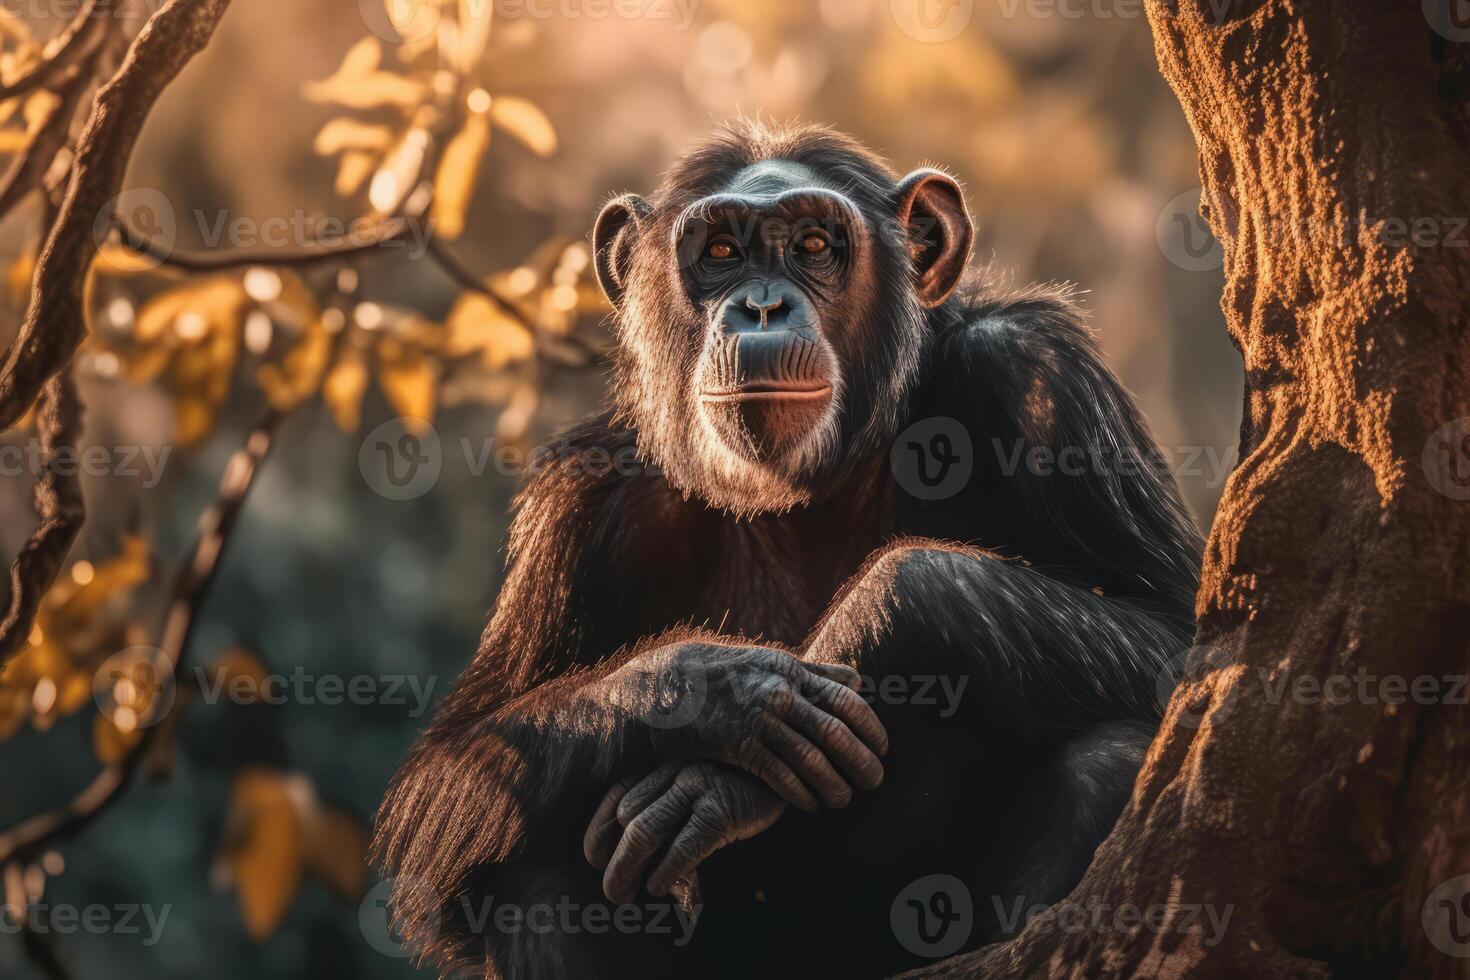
(1097, 600)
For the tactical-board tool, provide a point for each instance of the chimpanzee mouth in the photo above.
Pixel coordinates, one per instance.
(768, 391)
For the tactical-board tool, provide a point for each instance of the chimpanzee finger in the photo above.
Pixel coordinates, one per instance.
(605, 828)
(848, 705)
(843, 675)
(646, 790)
(690, 847)
(643, 838)
(761, 763)
(810, 763)
(838, 741)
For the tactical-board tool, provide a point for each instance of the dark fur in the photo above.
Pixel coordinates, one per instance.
(1063, 622)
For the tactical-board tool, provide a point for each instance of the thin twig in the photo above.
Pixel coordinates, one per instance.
(75, 44)
(190, 588)
(59, 506)
(54, 324)
(462, 275)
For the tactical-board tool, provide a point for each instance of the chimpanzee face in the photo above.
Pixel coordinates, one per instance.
(772, 311)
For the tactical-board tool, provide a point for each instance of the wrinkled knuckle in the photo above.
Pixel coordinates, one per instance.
(778, 696)
(809, 757)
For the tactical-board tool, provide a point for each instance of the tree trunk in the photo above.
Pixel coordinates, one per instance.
(1310, 779)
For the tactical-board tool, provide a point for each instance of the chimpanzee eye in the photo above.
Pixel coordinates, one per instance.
(814, 244)
(720, 251)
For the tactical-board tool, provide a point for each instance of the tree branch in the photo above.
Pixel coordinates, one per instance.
(389, 230)
(190, 588)
(54, 325)
(59, 505)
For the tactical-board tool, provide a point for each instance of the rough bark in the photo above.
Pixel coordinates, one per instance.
(1327, 826)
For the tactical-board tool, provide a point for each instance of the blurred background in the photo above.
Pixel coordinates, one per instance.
(239, 848)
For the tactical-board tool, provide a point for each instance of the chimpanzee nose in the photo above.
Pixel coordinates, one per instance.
(765, 306)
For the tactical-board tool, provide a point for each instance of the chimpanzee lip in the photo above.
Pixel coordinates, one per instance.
(768, 391)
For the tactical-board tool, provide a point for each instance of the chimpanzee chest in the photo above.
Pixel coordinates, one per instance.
(773, 579)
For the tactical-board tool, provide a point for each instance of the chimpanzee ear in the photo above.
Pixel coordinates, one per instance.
(612, 242)
(931, 209)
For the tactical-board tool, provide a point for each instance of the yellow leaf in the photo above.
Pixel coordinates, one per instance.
(455, 183)
(362, 58)
(38, 108)
(111, 744)
(111, 577)
(348, 134)
(19, 276)
(401, 172)
(194, 417)
(267, 853)
(337, 844)
(371, 91)
(476, 325)
(300, 373)
(526, 122)
(238, 663)
(354, 168)
(208, 302)
(197, 327)
(411, 383)
(475, 18)
(73, 692)
(343, 389)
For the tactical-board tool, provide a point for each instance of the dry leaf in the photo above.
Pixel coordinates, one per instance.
(348, 134)
(477, 325)
(354, 168)
(343, 389)
(475, 20)
(524, 120)
(337, 845)
(266, 852)
(409, 379)
(300, 373)
(455, 183)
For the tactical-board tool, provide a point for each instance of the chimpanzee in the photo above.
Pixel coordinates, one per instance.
(854, 521)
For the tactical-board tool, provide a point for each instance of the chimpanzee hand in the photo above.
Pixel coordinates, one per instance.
(684, 812)
(783, 720)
